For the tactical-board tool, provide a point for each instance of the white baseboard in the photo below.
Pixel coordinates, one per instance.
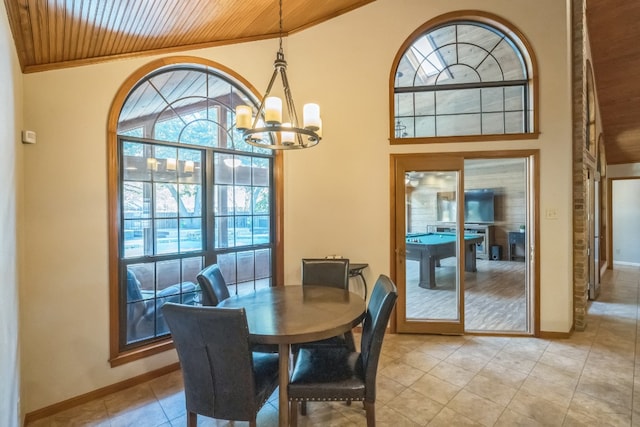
(630, 264)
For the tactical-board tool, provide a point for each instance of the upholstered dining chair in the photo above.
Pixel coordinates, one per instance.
(214, 289)
(335, 373)
(326, 272)
(213, 286)
(333, 273)
(222, 377)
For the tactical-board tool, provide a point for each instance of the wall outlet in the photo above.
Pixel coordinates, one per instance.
(551, 213)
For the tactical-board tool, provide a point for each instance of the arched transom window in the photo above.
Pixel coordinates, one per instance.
(461, 78)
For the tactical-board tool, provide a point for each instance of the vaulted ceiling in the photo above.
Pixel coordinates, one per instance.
(62, 33)
(615, 46)
(58, 33)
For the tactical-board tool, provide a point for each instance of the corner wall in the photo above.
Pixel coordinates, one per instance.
(10, 196)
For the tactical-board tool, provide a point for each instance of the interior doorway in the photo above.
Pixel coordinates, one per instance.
(487, 204)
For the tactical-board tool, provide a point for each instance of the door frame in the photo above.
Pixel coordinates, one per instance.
(532, 226)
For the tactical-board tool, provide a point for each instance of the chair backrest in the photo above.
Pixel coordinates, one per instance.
(214, 288)
(217, 364)
(374, 325)
(326, 272)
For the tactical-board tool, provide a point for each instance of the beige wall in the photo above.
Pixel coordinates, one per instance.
(336, 194)
(10, 197)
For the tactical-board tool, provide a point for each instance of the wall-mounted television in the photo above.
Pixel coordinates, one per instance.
(478, 206)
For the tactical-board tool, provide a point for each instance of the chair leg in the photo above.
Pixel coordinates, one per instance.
(192, 419)
(350, 341)
(303, 408)
(293, 415)
(252, 423)
(370, 410)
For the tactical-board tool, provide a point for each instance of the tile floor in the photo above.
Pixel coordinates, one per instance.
(588, 379)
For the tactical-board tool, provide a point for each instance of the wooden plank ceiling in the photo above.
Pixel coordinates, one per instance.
(615, 48)
(53, 34)
(59, 33)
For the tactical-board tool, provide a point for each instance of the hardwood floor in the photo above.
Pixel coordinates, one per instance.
(494, 296)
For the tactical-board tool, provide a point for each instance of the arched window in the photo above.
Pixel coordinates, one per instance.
(459, 76)
(186, 191)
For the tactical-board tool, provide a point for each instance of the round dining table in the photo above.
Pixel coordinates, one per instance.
(286, 315)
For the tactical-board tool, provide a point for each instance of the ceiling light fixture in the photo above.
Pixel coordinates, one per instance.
(266, 128)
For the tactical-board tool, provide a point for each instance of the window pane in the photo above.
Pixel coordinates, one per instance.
(493, 123)
(511, 61)
(425, 103)
(223, 172)
(458, 101)
(261, 200)
(246, 271)
(490, 70)
(243, 231)
(425, 126)
(136, 197)
(190, 200)
(514, 122)
(514, 98)
(190, 166)
(405, 105)
(166, 236)
(478, 35)
(260, 230)
(260, 171)
(191, 235)
(492, 99)
(169, 128)
(138, 240)
(166, 203)
(201, 132)
(224, 232)
(460, 124)
(190, 269)
(168, 273)
(223, 200)
(242, 199)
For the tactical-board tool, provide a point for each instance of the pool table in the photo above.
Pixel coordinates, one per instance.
(430, 248)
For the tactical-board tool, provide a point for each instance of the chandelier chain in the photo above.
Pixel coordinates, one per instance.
(274, 133)
(281, 29)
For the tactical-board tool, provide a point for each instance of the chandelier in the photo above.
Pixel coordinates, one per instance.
(272, 132)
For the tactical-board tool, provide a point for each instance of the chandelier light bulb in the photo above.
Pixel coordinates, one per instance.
(311, 116)
(287, 138)
(273, 110)
(243, 117)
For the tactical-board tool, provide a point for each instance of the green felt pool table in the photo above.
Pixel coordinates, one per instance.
(430, 248)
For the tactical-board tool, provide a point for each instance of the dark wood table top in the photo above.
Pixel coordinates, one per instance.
(295, 314)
